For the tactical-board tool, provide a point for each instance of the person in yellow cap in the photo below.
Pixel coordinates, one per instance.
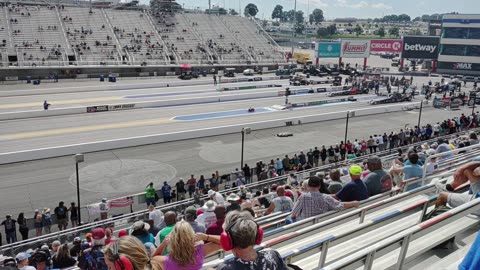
(355, 190)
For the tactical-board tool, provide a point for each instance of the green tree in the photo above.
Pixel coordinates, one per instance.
(299, 18)
(222, 11)
(233, 12)
(322, 32)
(358, 30)
(332, 29)
(394, 31)
(250, 10)
(299, 28)
(316, 16)
(404, 18)
(288, 16)
(277, 12)
(381, 31)
(417, 19)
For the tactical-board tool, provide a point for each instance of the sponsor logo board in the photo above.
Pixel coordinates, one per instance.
(420, 47)
(355, 48)
(386, 45)
(328, 49)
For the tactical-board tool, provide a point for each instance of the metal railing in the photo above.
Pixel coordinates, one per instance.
(367, 255)
(429, 158)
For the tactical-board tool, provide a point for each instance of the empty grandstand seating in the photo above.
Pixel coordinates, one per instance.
(218, 38)
(138, 37)
(91, 36)
(263, 48)
(37, 35)
(68, 35)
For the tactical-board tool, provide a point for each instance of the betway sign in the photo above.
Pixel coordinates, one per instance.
(355, 48)
(386, 45)
(420, 47)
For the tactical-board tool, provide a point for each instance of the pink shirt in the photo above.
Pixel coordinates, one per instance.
(197, 256)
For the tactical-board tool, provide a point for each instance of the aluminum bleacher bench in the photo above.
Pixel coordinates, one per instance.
(396, 251)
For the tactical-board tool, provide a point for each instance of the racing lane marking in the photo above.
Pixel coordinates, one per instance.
(83, 129)
(57, 102)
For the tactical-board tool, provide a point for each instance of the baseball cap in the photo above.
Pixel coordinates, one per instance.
(22, 256)
(191, 211)
(355, 170)
(122, 233)
(98, 233)
(77, 239)
(211, 193)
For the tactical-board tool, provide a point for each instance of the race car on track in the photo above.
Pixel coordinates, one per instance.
(393, 98)
(347, 92)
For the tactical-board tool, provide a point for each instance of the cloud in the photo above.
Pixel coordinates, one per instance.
(381, 6)
(314, 3)
(361, 4)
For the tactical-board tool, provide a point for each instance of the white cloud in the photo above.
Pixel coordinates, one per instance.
(361, 4)
(313, 3)
(381, 6)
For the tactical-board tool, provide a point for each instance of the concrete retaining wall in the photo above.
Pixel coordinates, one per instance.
(42, 153)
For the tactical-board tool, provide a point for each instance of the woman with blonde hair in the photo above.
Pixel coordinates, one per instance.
(128, 253)
(184, 252)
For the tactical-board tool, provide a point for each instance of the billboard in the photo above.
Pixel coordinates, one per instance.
(459, 66)
(355, 48)
(328, 49)
(420, 47)
(386, 45)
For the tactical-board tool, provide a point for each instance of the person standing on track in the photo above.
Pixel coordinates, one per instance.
(191, 183)
(166, 192)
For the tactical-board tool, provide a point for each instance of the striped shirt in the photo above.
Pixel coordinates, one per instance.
(313, 203)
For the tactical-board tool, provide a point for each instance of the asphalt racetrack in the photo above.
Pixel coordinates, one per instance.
(35, 184)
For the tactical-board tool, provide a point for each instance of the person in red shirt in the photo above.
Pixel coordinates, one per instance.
(217, 227)
(191, 183)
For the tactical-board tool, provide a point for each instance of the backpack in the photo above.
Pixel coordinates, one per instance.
(93, 260)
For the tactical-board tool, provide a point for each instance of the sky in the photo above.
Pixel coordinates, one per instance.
(350, 8)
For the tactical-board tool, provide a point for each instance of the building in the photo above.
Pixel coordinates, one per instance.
(460, 45)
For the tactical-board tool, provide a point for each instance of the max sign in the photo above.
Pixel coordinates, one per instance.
(386, 45)
(355, 48)
(420, 47)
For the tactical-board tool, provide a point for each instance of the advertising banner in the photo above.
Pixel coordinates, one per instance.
(121, 107)
(420, 47)
(328, 49)
(459, 66)
(386, 45)
(355, 48)
(94, 109)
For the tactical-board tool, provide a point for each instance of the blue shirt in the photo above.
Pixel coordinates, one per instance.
(166, 190)
(412, 171)
(148, 238)
(444, 148)
(472, 259)
(355, 190)
(279, 165)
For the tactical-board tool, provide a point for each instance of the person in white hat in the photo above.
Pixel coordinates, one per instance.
(208, 217)
(216, 197)
(22, 261)
(233, 199)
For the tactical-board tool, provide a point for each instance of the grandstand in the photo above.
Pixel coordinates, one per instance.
(385, 232)
(34, 35)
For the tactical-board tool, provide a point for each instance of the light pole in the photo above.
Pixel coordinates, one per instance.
(346, 127)
(245, 130)
(78, 159)
(420, 114)
(294, 24)
(474, 101)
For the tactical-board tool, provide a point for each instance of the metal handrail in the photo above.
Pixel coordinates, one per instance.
(403, 236)
(475, 146)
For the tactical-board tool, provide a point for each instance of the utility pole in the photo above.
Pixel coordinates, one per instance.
(294, 24)
(420, 114)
